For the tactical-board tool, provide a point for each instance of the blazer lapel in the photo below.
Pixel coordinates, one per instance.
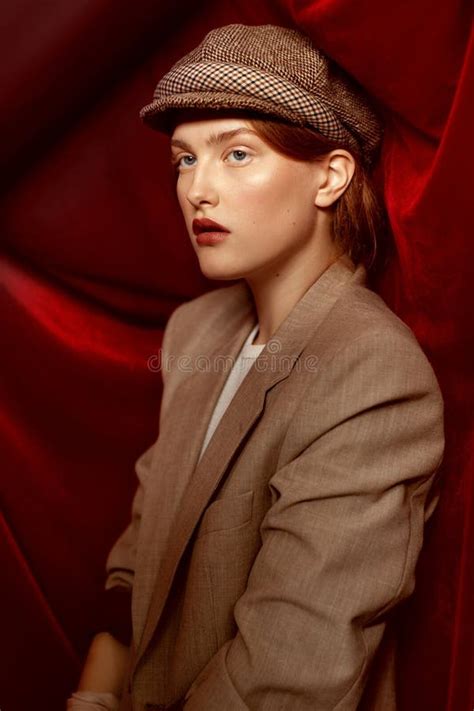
(198, 480)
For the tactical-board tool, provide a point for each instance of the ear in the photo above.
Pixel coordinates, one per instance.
(337, 169)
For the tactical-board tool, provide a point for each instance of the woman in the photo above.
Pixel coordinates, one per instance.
(279, 515)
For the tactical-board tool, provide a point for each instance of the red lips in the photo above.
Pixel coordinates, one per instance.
(206, 225)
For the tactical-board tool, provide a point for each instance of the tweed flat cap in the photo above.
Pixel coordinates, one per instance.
(271, 70)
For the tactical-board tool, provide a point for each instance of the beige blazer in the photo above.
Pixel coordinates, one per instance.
(265, 576)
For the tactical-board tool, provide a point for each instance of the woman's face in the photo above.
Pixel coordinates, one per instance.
(265, 200)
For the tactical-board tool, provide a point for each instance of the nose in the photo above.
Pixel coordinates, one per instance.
(202, 189)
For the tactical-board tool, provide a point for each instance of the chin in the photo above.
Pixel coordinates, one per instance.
(219, 272)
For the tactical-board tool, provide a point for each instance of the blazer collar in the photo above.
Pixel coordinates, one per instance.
(194, 401)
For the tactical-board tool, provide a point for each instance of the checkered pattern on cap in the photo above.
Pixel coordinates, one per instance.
(271, 70)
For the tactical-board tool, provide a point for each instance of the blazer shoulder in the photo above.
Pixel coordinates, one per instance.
(210, 312)
(363, 322)
(361, 312)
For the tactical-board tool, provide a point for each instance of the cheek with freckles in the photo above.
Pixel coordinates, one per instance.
(274, 208)
(260, 197)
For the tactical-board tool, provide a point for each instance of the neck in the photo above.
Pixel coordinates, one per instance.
(277, 292)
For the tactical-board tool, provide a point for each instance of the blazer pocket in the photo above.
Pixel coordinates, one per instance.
(226, 513)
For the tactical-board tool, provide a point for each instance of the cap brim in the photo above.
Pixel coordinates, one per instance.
(160, 114)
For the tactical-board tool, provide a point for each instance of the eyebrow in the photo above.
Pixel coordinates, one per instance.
(215, 138)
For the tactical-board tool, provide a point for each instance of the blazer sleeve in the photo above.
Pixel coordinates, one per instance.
(341, 539)
(114, 606)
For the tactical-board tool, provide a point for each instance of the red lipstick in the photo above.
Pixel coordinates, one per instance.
(209, 232)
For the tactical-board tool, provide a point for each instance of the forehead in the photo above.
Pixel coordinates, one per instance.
(208, 129)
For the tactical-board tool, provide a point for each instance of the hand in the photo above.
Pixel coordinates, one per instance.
(92, 701)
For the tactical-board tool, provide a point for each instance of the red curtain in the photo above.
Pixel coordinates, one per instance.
(94, 258)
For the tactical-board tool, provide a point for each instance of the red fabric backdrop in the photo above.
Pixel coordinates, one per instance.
(94, 258)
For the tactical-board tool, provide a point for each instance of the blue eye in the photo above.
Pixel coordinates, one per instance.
(184, 160)
(239, 155)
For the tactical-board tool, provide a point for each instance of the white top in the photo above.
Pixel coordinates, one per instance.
(246, 357)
